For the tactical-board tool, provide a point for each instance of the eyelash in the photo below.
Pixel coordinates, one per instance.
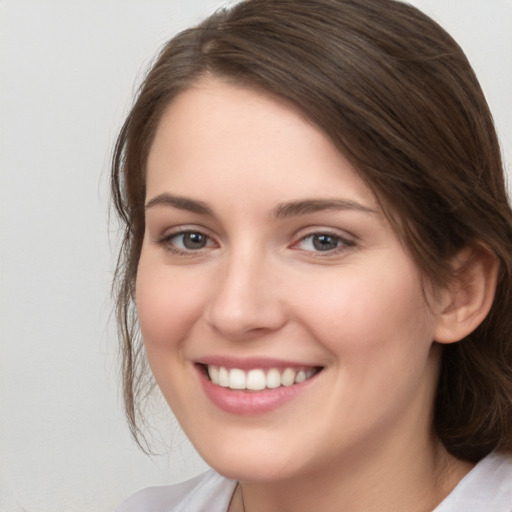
(342, 243)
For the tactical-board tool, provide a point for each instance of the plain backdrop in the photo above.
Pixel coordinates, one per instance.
(68, 72)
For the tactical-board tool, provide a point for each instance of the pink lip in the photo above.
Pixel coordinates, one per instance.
(248, 403)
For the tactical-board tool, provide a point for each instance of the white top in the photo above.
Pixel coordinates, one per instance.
(486, 488)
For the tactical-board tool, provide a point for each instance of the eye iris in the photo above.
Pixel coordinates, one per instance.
(325, 242)
(194, 240)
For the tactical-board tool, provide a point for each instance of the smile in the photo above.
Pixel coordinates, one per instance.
(254, 386)
(258, 379)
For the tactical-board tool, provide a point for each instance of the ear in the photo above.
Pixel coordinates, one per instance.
(465, 304)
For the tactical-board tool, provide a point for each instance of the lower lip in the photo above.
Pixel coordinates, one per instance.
(250, 402)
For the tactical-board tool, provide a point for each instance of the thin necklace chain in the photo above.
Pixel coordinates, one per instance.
(242, 496)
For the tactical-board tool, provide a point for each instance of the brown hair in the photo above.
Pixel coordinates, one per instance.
(398, 97)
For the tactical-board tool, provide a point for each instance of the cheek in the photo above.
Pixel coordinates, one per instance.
(167, 307)
(378, 331)
(368, 312)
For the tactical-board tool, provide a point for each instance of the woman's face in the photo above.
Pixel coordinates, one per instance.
(267, 263)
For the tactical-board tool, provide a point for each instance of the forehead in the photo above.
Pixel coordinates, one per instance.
(218, 134)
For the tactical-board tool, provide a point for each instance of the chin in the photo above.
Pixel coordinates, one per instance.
(253, 461)
(256, 470)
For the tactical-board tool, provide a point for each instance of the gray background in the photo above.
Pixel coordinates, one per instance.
(68, 70)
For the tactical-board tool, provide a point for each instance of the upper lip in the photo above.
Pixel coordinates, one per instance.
(250, 363)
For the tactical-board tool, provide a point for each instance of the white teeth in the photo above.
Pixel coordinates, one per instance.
(300, 377)
(257, 379)
(213, 373)
(273, 378)
(288, 377)
(223, 378)
(236, 379)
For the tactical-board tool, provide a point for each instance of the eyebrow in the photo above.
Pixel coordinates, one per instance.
(304, 207)
(182, 203)
(283, 210)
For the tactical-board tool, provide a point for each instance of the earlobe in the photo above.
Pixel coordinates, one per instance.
(468, 301)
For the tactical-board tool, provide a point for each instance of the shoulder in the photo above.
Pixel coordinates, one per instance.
(488, 486)
(208, 492)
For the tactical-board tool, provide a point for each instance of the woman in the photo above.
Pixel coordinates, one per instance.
(318, 243)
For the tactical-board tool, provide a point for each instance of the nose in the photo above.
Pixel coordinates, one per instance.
(246, 300)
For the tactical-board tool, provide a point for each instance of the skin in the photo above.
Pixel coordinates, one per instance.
(360, 432)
